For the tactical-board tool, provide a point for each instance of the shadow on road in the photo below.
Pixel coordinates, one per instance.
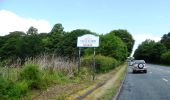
(136, 72)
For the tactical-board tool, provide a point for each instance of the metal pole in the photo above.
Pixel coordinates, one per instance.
(8, 72)
(94, 65)
(79, 60)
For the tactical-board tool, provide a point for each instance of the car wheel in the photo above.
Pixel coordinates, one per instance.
(140, 66)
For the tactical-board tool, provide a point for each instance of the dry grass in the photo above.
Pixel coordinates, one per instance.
(54, 63)
(50, 62)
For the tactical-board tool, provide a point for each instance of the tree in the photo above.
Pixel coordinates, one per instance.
(32, 31)
(112, 46)
(165, 57)
(157, 50)
(32, 45)
(126, 37)
(12, 45)
(57, 29)
(144, 50)
(166, 40)
(45, 41)
(55, 36)
(150, 51)
(68, 45)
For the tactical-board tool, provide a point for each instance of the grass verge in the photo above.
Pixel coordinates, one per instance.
(110, 93)
(108, 90)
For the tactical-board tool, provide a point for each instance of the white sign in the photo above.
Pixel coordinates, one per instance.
(88, 40)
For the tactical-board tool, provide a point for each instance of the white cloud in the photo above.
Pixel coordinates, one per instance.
(10, 22)
(139, 38)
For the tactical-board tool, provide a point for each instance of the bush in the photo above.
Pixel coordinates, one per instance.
(32, 74)
(19, 89)
(165, 57)
(103, 63)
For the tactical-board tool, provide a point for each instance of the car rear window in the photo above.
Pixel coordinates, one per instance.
(139, 61)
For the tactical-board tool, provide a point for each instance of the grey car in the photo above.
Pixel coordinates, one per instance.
(139, 65)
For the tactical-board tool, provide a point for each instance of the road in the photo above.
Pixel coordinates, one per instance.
(155, 85)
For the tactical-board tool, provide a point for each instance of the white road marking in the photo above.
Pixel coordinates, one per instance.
(165, 79)
(150, 72)
(169, 71)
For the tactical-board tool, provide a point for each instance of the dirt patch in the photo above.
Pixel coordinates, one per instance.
(58, 91)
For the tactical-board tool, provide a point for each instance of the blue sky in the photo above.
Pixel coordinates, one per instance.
(142, 18)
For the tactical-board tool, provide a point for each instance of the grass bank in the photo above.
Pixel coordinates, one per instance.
(109, 89)
(104, 87)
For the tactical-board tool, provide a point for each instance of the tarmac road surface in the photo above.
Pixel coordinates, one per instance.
(155, 85)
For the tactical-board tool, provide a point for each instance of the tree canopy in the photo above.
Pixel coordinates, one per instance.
(117, 44)
(165, 40)
(126, 37)
(155, 52)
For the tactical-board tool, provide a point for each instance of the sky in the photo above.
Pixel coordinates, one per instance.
(144, 19)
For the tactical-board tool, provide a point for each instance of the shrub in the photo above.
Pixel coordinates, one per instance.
(103, 63)
(32, 74)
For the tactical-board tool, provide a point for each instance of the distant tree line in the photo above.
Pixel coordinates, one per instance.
(155, 52)
(117, 44)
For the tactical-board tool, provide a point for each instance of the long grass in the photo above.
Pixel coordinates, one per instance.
(36, 74)
(45, 62)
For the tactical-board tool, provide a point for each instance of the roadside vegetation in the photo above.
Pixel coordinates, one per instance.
(32, 62)
(108, 90)
(155, 52)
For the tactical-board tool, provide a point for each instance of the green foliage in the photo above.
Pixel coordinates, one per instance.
(32, 31)
(12, 46)
(54, 77)
(32, 46)
(117, 44)
(5, 86)
(68, 46)
(32, 74)
(166, 40)
(112, 46)
(126, 37)
(165, 57)
(84, 74)
(3, 63)
(19, 89)
(32, 78)
(103, 63)
(57, 29)
(150, 51)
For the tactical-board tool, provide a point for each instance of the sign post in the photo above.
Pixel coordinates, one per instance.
(94, 64)
(79, 60)
(88, 41)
